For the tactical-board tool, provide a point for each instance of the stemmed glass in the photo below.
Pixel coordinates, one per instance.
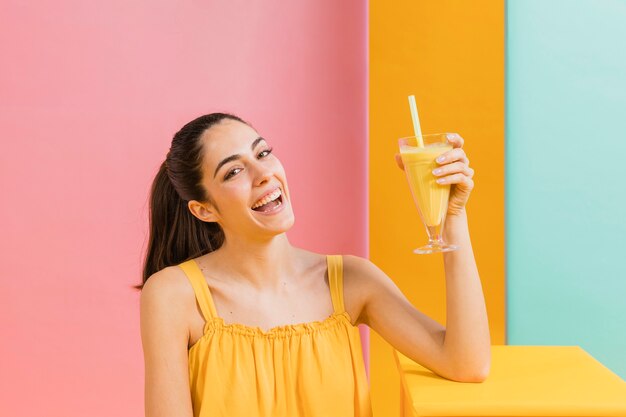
(430, 197)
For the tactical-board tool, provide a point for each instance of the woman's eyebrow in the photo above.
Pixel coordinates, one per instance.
(236, 156)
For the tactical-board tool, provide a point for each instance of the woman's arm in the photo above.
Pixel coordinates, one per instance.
(387, 311)
(462, 350)
(467, 341)
(164, 335)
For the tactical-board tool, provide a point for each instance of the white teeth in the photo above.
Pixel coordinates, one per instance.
(267, 199)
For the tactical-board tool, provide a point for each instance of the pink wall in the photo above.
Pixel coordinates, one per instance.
(91, 93)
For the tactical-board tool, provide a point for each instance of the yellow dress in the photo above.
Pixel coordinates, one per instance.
(306, 369)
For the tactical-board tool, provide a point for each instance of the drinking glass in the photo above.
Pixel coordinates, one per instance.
(431, 198)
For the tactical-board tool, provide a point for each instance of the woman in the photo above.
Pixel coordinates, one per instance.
(236, 321)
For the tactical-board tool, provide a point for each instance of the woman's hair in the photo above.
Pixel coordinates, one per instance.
(176, 235)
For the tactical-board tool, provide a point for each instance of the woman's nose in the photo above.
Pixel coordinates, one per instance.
(263, 174)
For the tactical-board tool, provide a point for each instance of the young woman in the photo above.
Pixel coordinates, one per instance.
(235, 321)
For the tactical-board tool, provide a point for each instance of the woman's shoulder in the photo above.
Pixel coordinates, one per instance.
(349, 261)
(353, 266)
(357, 265)
(362, 276)
(169, 284)
(353, 269)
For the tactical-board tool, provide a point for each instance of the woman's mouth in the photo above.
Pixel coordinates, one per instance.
(270, 203)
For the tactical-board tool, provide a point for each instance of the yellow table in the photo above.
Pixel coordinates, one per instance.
(524, 381)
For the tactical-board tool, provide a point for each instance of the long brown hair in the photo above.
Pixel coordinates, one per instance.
(176, 235)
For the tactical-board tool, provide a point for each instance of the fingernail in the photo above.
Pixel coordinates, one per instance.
(437, 171)
(450, 135)
(441, 180)
(441, 159)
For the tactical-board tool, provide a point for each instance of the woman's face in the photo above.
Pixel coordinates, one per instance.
(240, 173)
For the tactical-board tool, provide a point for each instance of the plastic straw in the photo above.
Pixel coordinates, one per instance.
(416, 122)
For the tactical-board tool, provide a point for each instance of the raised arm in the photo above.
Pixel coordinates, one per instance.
(462, 349)
(164, 335)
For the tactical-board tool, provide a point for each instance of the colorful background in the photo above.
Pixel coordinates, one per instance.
(451, 56)
(565, 190)
(90, 95)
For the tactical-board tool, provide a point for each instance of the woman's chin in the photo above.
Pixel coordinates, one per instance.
(284, 226)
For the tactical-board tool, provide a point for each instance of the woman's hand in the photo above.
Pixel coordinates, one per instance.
(453, 169)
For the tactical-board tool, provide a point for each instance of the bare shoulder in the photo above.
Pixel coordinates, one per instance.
(166, 299)
(168, 284)
(362, 280)
(362, 272)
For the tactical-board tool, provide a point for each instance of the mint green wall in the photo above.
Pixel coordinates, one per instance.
(566, 176)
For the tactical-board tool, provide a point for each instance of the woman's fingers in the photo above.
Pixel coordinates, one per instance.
(456, 154)
(455, 140)
(457, 179)
(454, 168)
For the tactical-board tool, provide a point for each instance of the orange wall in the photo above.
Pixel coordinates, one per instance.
(450, 54)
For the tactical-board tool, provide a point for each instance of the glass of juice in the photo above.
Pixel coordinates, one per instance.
(430, 197)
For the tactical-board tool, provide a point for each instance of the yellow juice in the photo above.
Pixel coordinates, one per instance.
(431, 198)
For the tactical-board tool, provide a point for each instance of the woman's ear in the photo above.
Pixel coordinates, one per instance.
(203, 211)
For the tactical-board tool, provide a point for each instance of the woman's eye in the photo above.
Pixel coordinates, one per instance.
(235, 171)
(232, 172)
(266, 152)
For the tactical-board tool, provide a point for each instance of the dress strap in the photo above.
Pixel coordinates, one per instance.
(335, 281)
(200, 287)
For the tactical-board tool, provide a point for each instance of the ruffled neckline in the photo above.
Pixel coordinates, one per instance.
(217, 324)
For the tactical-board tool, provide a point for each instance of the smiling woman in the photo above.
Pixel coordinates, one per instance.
(236, 321)
(218, 257)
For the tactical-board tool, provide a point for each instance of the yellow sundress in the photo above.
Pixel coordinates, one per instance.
(311, 369)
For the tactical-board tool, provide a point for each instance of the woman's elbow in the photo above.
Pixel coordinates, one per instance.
(479, 375)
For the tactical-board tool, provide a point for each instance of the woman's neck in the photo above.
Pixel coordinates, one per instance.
(262, 264)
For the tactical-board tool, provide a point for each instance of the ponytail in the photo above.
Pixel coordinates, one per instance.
(176, 235)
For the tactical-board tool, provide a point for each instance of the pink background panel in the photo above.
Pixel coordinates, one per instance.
(90, 96)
